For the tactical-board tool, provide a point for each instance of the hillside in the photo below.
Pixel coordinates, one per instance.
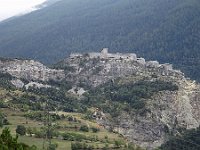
(130, 100)
(25, 88)
(189, 140)
(167, 31)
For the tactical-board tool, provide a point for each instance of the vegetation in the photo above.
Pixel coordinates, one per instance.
(3, 120)
(73, 136)
(189, 140)
(95, 130)
(7, 142)
(5, 81)
(84, 128)
(39, 116)
(78, 146)
(116, 97)
(63, 131)
(57, 98)
(21, 130)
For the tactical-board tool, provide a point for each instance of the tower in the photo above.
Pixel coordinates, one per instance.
(104, 53)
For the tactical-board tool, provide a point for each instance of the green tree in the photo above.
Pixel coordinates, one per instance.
(84, 128)
(1, 120)
(52, 147)
(7, 142)
(94, 129)
(21, 130)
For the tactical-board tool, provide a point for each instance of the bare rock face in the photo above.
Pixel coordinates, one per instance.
(17, 83)
(36, 85)
(30, 70)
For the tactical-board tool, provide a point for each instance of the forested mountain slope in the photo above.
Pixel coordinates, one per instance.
(167, 31)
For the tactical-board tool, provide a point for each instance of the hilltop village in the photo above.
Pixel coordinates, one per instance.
(94, 68)
(127, 57)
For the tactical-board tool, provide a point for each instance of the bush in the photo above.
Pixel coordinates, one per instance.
(3, 120)
(52, 147)
(79, 146)
(95, 130)
(39, 134)
(76, 146)
(74, 137)
(21, 130)
(84, 128)
(119, 143)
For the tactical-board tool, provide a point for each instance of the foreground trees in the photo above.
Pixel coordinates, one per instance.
(8, 142)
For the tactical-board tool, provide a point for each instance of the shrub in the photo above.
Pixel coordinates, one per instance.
(119, 143)
(84, 128)
(74, 137)
(39, 134)
(95, 130)
(81, 146)
(3, 120)
(52, 147)
(21, 130)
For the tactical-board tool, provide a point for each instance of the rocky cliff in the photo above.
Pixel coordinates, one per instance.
(167, 113)
(100, 68)
(30, 70)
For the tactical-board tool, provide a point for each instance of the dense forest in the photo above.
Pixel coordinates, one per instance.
(167, 31)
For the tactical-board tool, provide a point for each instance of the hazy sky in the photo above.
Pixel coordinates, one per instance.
(9, 8)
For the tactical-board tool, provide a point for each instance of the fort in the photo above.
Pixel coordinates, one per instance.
(104, 54)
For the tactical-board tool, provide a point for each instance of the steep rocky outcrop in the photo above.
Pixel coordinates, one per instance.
(98, 68)
(167, 111)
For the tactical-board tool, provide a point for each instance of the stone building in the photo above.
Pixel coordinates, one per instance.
(104, 54)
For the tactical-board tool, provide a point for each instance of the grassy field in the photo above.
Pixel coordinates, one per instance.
(62, 145)
(16, 117)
